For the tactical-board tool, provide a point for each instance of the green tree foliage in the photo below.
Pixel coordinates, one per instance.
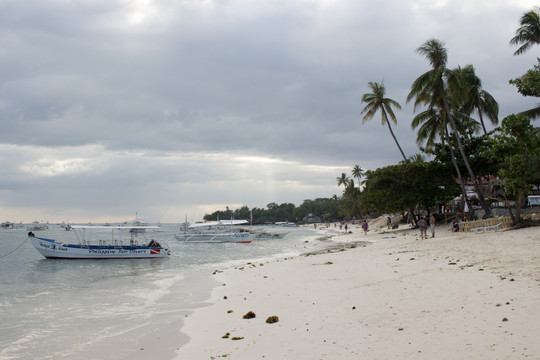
(376, 101)
(477, 100)
(517, 144)
(343, 180)
(529, 83)
(444, 91)
(327, 209)
(408, 185)
(350, 201)
(357, 172)
(479, 150)
(528, 34)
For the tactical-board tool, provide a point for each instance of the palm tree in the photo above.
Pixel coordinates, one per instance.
(478, 99)
(432, 125)
(343, 180)
(376, 101)
(431, 89)
(358, 173)
(417, 158)
(351, 200)
(528, 34)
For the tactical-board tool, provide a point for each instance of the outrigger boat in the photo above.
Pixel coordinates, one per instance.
(222, 231)
(101, 249)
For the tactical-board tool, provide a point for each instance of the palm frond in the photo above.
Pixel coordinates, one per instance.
(533, 113)
(528, 34)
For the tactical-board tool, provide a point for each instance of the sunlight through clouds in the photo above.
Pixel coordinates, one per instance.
(139, 11)
(175, 106)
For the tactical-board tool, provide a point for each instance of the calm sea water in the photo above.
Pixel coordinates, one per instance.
(113, 309)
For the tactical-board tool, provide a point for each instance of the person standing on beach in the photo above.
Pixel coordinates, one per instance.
(389, 222)
(365, 227)
(422, 225)
(432, 224)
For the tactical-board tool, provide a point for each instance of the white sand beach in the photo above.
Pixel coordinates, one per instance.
(458, 295)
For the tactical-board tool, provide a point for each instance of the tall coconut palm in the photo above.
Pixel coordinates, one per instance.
(528, 34)
(358, 173)
(477, 99)
(376, 101)
(432, 89)
(432, 126)
(343, 180)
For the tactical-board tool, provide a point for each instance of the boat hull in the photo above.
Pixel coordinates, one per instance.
(51, 249)
(241, 238)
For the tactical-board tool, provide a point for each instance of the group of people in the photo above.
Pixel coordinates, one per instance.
(343, 223)
(423, 225)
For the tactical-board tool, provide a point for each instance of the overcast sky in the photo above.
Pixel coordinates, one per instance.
(175, 108)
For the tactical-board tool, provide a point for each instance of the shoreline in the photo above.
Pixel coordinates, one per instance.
(398, 297)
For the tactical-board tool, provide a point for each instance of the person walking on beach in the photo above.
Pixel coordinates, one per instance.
(432, 224)
(389, 222)
(365, 227)
(422, 225)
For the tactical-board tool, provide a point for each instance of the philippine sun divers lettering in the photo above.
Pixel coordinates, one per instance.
(111, 248)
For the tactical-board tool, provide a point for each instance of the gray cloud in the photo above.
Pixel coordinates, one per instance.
(174, 108)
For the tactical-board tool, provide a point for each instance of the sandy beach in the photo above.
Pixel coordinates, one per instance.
(458, 295)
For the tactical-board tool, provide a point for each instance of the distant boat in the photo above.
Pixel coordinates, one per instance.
(222, 231)
(100, 249)
(37, 227)
(138, 227)
(285, 223)
(7, 225)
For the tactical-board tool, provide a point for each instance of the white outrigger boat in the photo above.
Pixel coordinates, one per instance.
(223, 231)
(101, 249)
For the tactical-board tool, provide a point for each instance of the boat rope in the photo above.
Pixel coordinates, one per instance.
(12, 251)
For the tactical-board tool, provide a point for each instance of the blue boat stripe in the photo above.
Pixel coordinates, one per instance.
(40, 238)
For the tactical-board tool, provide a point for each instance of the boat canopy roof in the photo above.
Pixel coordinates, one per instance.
(218, 223)
(117, 227)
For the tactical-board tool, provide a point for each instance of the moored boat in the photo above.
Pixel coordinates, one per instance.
(100, 249)
(6, 225)
(37, 227)
(216, 232)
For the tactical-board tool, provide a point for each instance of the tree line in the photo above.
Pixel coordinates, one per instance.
(451, 129)
(323, 209)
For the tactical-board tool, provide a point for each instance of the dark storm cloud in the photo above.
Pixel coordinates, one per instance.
(151, 104)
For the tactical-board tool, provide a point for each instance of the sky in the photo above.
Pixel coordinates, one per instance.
(172, 109)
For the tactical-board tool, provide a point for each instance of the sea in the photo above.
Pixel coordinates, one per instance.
(118, 309)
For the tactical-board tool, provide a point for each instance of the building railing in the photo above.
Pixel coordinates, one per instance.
(503, 222)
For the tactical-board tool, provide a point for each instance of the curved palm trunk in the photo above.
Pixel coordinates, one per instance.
(482, 122)
(392, 133)
(516, 221)
(460, 177)
(479, 191)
